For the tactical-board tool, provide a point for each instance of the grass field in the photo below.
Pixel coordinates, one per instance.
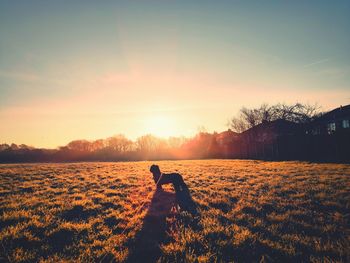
(237, 211)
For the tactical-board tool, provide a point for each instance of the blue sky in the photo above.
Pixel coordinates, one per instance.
(88, 69)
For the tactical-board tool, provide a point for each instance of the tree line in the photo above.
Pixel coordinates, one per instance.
(115, 148)
(147, 147)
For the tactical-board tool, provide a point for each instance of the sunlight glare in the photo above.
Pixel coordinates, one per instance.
(160, 126)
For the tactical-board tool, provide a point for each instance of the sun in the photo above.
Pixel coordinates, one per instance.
(160, 126)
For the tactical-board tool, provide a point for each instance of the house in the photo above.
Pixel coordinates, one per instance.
(227, 141)
(226, 137)
(268, 131)
(337, 120)
(327, 138)
(270, 140)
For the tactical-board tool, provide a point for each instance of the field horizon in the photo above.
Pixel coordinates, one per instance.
(235, 211)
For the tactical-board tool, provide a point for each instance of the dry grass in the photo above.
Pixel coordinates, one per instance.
(246, 211)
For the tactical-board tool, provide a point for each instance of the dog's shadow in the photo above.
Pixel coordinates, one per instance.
(146, 247)
(185, 202)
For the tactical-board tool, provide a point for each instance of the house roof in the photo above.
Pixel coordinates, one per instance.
(277, 126)
(229, 134)
(342, 111)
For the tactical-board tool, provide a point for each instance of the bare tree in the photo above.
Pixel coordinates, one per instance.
(98, 144)
(4, 146)
(176, 142)
(298, 113)
(119, 143)
(150, 143)
(80, 145)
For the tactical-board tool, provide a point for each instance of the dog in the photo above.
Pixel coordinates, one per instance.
(172, 178)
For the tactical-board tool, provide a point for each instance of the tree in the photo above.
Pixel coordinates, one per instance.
(150, 143)
(98, 144)
(119, 143)
(80, 145)
(176, 142)
(4, 147)
(298, 113)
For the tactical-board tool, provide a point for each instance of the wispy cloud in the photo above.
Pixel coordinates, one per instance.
(22, 76)
(316, 62)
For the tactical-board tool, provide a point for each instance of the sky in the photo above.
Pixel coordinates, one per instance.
(91, 69)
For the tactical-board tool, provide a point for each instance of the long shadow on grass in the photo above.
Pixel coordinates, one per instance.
(153, 232)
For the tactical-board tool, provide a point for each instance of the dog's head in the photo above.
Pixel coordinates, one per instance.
(154, 169)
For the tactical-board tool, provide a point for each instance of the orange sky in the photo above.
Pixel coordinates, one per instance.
(89, 71)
